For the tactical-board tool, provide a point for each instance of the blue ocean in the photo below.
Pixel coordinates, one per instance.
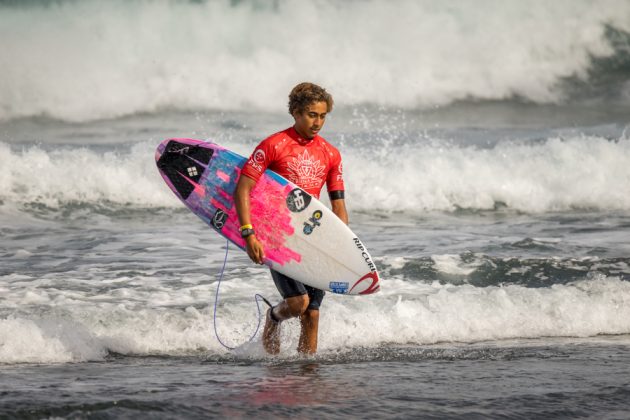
(486, 150)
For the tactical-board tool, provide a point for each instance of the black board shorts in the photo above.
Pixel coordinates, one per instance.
(291, 288)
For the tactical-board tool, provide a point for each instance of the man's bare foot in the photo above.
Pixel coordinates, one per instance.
(271, 334)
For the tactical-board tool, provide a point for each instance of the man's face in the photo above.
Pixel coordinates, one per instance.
(311, 120)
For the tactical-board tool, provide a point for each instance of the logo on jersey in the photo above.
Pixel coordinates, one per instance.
(257, 160)
(306, 171)
(259, 156)
(314, 219)
(298, 200)
(340, 175)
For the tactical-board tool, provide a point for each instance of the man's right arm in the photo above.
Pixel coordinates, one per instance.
(245, 185)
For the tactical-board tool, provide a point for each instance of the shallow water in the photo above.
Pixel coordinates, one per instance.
(518, 379)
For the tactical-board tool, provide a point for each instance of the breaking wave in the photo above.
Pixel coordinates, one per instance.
(91, 60)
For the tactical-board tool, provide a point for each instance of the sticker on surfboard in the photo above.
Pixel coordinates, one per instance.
(298, 200)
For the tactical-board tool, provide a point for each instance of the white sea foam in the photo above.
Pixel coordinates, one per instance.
(558, 174)
(404, 313)
(80, 175)
(453, 264)
(87, 60)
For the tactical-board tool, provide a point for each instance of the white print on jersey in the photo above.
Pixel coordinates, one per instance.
(306, 171)
(340, 175)
(258, 158)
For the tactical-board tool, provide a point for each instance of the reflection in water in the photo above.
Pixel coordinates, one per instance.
(302, 384)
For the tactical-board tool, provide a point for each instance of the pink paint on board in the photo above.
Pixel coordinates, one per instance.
(270, 215)
(225, 177)
(271, 232)
(225, 195)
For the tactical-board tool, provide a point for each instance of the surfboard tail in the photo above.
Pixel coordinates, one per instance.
(367, 284)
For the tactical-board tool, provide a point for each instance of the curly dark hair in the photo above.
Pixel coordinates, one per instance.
(305, 94)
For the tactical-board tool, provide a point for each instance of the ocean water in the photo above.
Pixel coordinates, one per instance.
(486, 152)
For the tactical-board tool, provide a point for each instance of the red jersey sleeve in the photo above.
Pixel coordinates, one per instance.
(334, 180)
(259, 160)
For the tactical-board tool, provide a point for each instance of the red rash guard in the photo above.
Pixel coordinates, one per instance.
(307, 163)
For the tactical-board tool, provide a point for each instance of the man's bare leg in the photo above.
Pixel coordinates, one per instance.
(289, 308)
(271, 335)
(308, 336)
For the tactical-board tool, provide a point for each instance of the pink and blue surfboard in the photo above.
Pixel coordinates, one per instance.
(303, 238)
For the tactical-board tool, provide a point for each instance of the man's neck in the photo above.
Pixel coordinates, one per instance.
(302, 139)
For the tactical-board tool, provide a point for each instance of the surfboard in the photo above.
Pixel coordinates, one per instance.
(303, 238)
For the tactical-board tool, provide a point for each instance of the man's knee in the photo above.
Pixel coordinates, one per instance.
(310, 316)
(297, 304)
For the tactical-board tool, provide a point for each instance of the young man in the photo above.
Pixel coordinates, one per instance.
(306, 159)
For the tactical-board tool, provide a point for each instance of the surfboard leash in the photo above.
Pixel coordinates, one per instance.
(257, 298)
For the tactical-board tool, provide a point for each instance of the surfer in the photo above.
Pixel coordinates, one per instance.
(302, 156)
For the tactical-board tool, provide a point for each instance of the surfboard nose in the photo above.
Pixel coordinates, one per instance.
(160, 149)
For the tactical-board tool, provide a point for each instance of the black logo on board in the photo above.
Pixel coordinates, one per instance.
(218, 221)
(298, 200)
